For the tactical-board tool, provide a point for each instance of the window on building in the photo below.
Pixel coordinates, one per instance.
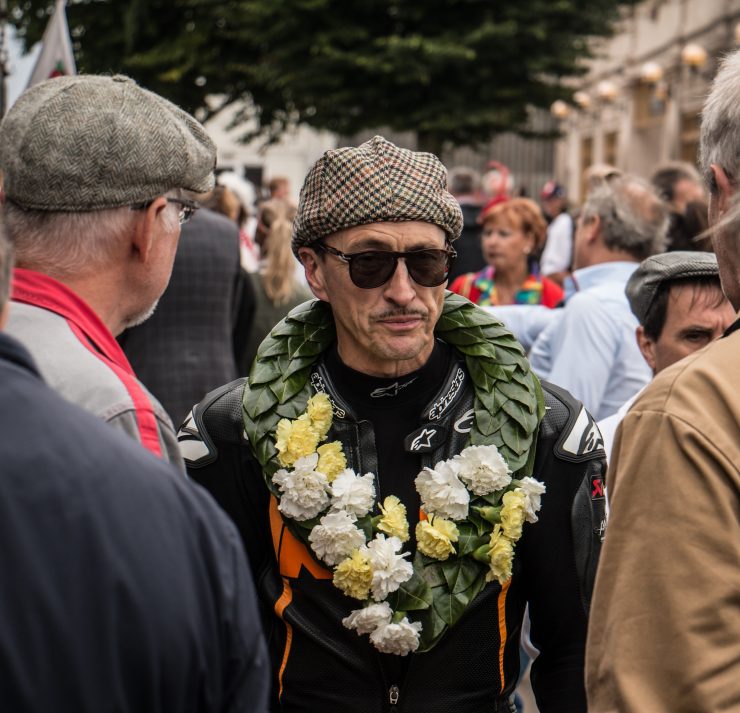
(690, 124)
(649, 105)
(610, 148)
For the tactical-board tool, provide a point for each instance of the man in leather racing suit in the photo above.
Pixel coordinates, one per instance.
(413, 375)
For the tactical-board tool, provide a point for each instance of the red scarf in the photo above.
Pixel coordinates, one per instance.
(39, 290)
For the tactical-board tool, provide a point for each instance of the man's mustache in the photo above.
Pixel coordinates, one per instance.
(396, 313)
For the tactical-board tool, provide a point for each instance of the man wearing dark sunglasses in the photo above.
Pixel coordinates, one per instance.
(95, 170)
(413, 375)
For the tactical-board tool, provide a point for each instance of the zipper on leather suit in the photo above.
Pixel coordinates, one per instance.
(393, 695)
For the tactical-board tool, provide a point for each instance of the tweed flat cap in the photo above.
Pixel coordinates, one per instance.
(374, 183)
(643, 285)
(90, 142)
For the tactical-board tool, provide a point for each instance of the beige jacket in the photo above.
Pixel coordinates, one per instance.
(664, 632)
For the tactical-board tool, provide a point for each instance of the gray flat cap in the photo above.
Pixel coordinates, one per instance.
(374, 183)
(643, 285)
(91, 142)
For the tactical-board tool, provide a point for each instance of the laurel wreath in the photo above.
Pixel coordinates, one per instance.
(508, 406)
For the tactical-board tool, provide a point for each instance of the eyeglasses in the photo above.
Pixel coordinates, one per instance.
(187, 208)
(373, 268)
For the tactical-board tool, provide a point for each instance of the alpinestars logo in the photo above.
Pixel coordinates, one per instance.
(391, 390)
(440, 406)
(424, 439)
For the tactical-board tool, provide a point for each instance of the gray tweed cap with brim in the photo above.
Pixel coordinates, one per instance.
(374, 183)
(91, 142)
(645, 281)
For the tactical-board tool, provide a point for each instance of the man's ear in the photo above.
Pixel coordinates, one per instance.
(592, 227)
(647, 346)
(314, 268)
(4, 315)
(724, 189)
(145, 229)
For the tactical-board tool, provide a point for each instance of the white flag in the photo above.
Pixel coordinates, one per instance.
(56, 58)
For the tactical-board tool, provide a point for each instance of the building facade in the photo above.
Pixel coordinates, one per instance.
(638, 106)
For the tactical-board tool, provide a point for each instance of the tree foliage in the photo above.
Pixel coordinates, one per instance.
(451, 70)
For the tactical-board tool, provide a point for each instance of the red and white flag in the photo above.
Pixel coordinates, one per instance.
(56, 58)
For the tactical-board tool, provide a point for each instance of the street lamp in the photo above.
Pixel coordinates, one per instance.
(559, 109)
(583, 99)
(607, 91)
(694, 55)
(651, 73)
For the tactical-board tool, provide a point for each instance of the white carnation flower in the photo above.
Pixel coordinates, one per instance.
(390, 570)
(442, 492)
(367, 620)
(353, 493)
(335, 537)
(483, 469)
(304, 491)
(399, 639)
(533, 489)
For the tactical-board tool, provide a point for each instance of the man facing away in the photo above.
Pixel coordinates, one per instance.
(678, 301)
(197, 337)
(464, 184)
(667, 638)
(386, 582)
(94, 168)
(125, 587)
(589, 346)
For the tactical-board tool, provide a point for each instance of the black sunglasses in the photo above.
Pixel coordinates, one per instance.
(187, 208)
(372, 268)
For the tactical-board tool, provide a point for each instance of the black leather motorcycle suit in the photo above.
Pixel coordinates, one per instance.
(319, 665)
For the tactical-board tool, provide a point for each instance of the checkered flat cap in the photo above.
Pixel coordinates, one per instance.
(374, 183)
(644, 283)
(90, 142)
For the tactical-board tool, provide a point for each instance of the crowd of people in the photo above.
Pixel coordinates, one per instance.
(396, 401)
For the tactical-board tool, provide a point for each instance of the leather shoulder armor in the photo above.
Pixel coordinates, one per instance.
(577, 436)
(216, 419)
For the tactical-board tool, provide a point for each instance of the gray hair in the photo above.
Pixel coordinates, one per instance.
(633, 218)
(719, 141)
(65, 245)
(463, 181)
(6, 263)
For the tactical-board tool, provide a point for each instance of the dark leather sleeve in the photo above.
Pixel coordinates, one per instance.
(561, 551)
(217, 456)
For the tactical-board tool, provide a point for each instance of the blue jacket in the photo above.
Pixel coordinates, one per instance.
(124, 587)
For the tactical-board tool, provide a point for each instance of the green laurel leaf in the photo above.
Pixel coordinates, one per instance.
(413, 595)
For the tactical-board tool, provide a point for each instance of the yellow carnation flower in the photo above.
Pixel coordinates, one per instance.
(281, 439)
(319, 412)
(354, 575)
(502, 554)
(331, 460)
(434, 537)
(295, 440)
(513, 513)
(393, 521)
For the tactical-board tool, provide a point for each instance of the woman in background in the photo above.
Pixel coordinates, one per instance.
(277, 283)
(513, 235)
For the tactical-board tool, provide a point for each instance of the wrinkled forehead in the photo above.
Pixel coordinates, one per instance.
(405, 235)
